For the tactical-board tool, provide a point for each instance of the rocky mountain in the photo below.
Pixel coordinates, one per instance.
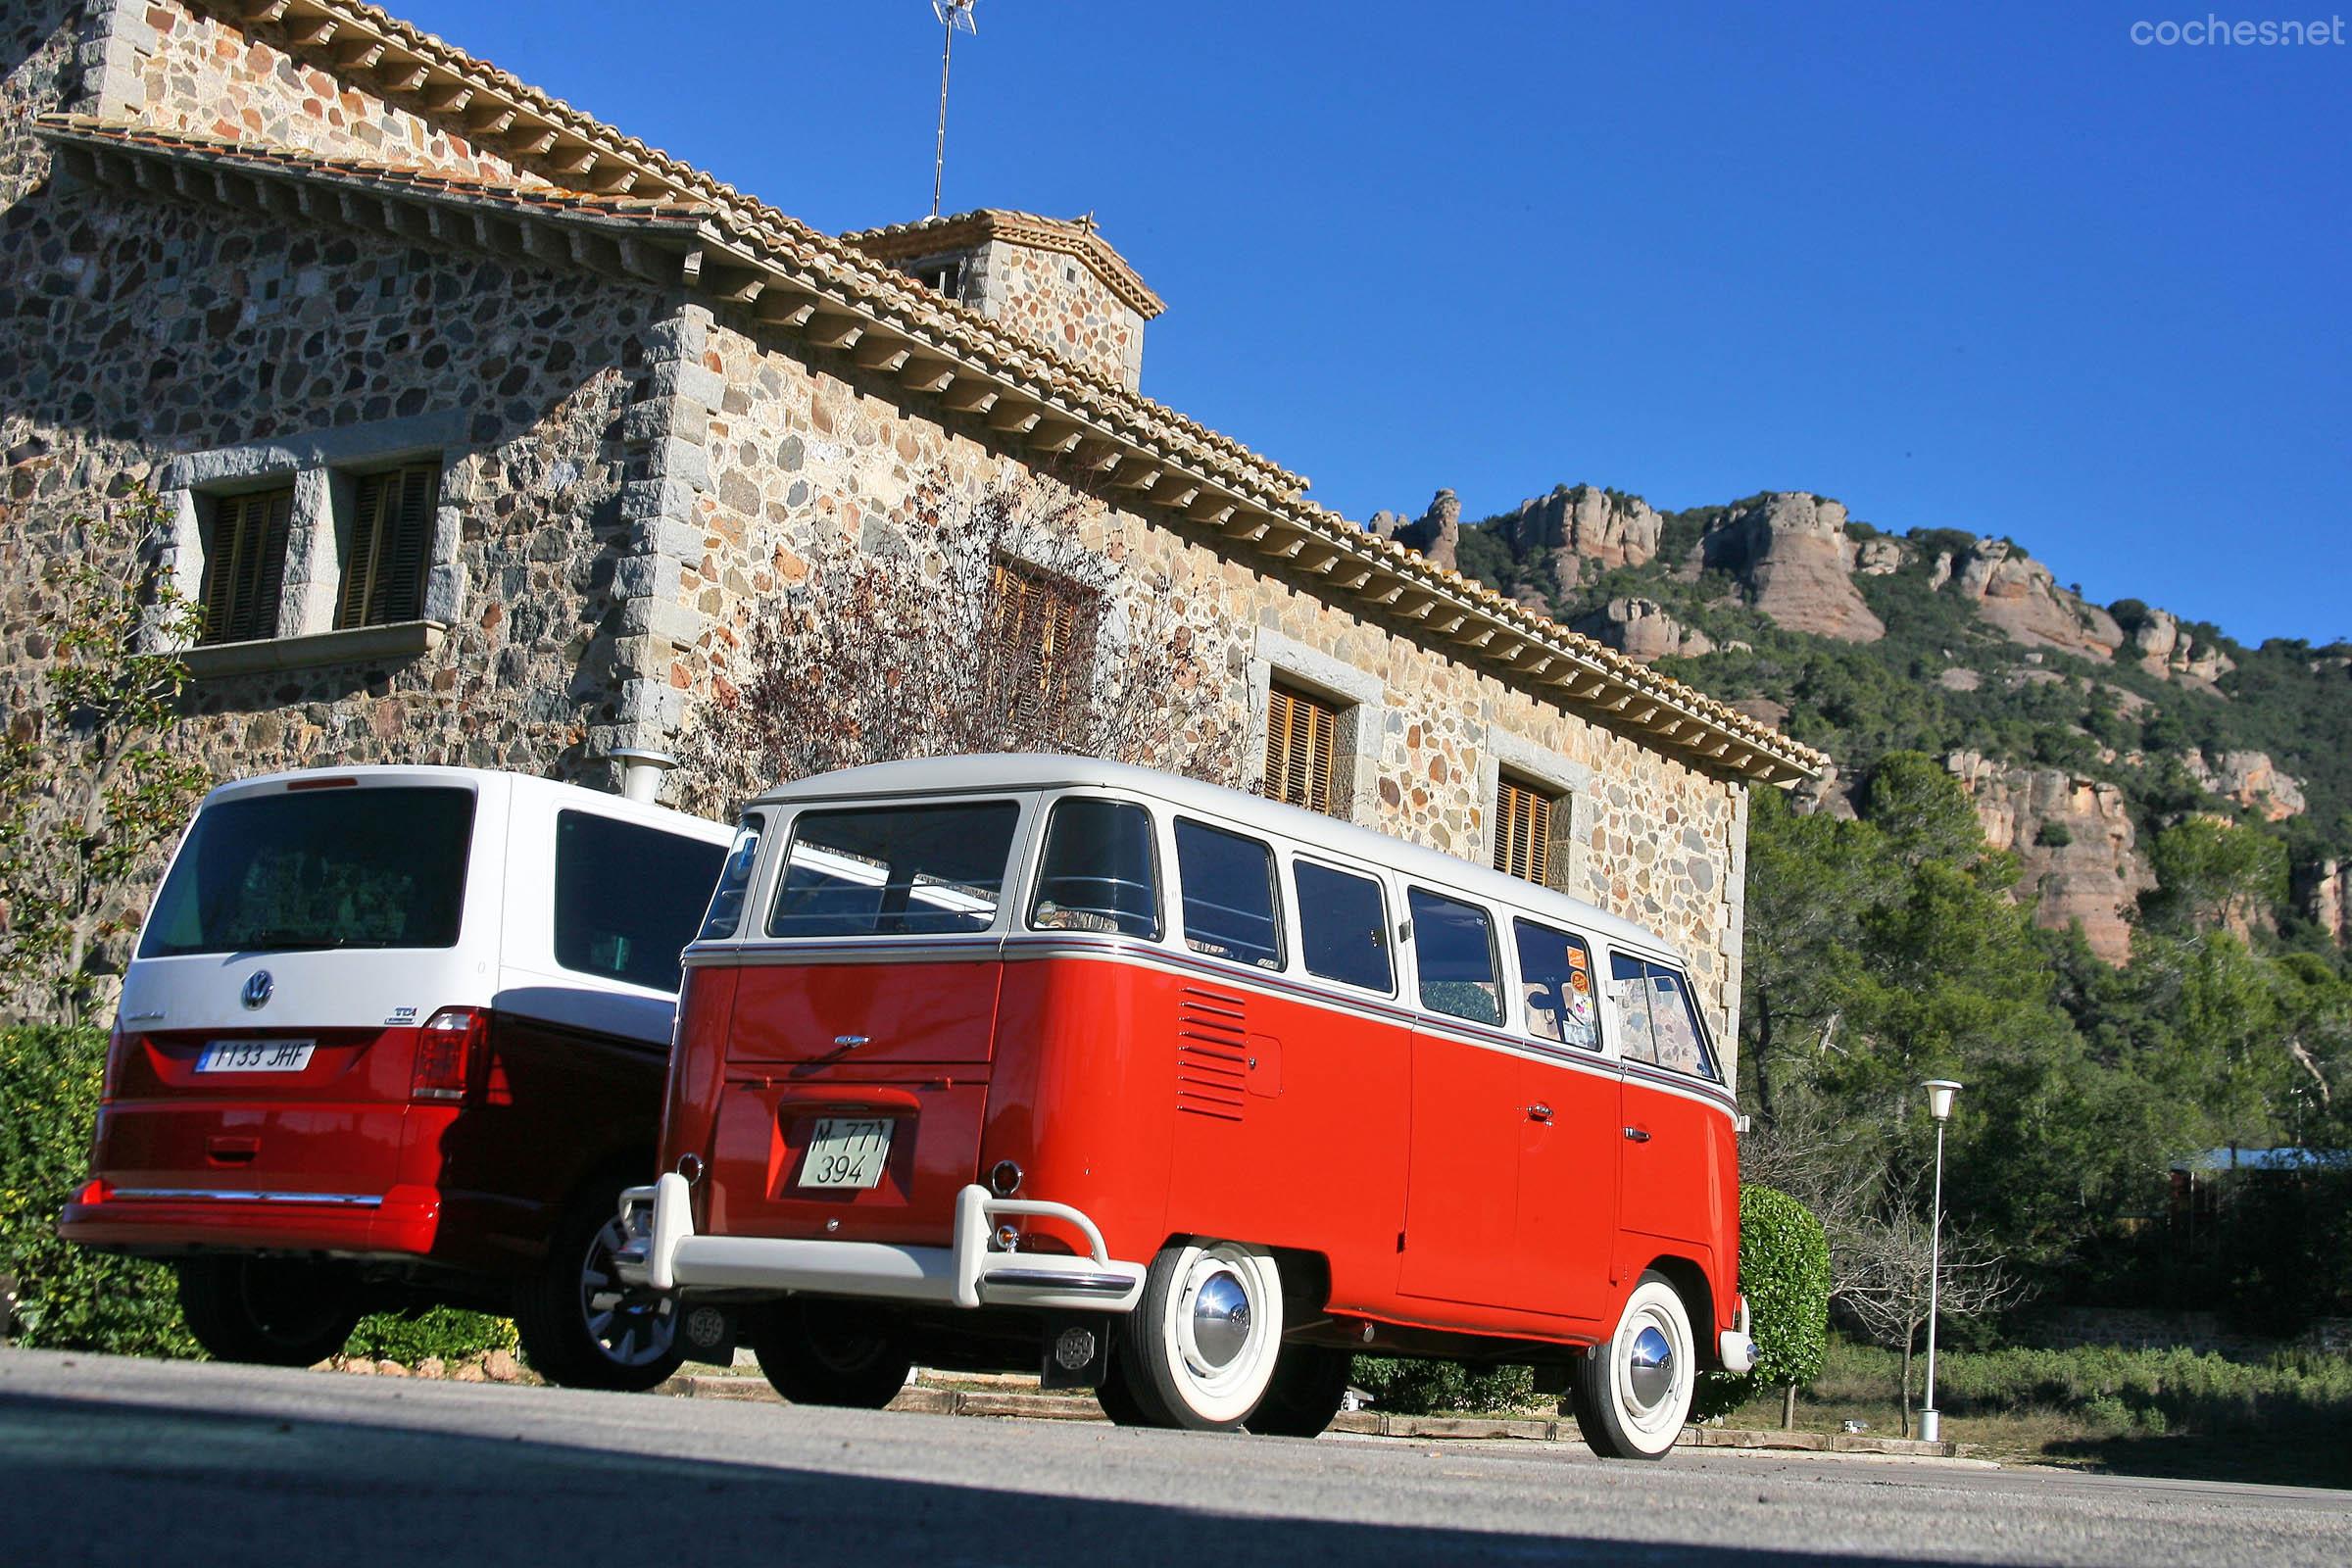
(2081, 730)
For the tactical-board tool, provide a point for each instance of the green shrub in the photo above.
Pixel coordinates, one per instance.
(1785, 1272)
(446, 1332)
(2054, 835)
(68, 1297)
(1422, 1388)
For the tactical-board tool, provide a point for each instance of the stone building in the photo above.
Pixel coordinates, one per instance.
(485, 428)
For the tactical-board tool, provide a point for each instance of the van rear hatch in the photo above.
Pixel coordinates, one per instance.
(270, 1020)
(857, 1050)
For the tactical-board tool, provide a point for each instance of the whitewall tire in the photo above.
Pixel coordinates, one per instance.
(1200, 1348)
(1632, 1393)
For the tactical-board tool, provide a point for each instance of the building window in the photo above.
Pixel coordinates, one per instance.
(1042, 628)
(941, 278)
(245, 565)
(390, 540)
(1522, 831)
(1302, 736)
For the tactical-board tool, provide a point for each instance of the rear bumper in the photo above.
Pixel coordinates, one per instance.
(403, 1222)
(665, 1254)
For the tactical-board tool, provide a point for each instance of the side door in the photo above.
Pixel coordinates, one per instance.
(1570, 1140)
(1669, 1176)
(1460, 1240)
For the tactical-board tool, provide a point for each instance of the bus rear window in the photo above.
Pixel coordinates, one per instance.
(900, 871)
(340, 868)
(1097, 873)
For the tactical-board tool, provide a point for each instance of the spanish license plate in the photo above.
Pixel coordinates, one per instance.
(847, 1151)
(256, 1056)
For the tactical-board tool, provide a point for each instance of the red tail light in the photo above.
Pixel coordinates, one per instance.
(446, 1047)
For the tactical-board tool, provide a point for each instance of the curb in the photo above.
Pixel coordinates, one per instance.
(930, 1400)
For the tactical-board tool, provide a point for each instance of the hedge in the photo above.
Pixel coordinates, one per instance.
(1785, 1272)
(68, 1297)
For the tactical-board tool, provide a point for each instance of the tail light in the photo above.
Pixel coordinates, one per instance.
(446, 1047)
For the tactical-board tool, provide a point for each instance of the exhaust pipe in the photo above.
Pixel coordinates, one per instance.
(641, 771)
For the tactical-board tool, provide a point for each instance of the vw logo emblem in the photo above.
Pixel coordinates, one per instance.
(258, 987)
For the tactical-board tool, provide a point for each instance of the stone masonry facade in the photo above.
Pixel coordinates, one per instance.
(631, 472)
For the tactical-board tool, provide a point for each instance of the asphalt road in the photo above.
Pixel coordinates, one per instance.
(104, 1460)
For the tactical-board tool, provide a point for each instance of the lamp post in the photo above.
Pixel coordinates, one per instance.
(1939, 1106)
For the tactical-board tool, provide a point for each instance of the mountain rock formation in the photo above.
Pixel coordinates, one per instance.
(1796, 561)
(1642, 628)
(1579, 529)
(2018, 595)
(2075, 840)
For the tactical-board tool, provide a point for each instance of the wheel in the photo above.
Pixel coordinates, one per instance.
(265, 1310)
(830, 1352)
(1119, 1402)
(1632, 1393)
(579, 1323)
(1310, 1382)
(1200, 1348)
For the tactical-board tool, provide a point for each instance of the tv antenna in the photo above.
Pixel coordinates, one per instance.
(954, 16)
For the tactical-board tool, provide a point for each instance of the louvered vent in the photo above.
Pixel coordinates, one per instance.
(1213, 1059)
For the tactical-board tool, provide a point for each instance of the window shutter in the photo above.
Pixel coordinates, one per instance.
(391, 534)
(1039, 628)
(1522, 831)
(1301, 747)
(245, 570)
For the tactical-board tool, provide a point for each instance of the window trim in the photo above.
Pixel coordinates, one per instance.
(1033, 868)
(1505, 978)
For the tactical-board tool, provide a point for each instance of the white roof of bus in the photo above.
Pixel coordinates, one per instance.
(1032, 770)
(391, 773)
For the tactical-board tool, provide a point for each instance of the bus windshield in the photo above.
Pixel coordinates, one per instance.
(338, 868)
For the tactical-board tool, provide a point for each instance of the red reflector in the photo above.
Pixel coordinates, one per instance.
(93, 1192)
(325, 784)
(445, 1050)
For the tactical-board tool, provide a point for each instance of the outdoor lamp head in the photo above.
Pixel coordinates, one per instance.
(1940, 1098)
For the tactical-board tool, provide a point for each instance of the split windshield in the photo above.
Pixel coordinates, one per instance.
(343, 868)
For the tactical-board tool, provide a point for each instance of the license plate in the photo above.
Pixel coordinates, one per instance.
(847, 1151)
(256, 1056)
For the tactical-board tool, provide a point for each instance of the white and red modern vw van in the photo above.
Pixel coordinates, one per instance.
(1033, 1061)
(395, 1036)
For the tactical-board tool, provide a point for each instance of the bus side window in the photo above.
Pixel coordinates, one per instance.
(1229, 910)
(1343, 926)
(1555, 971)
(1098, 872)
(1455, 947)
(1629, 990)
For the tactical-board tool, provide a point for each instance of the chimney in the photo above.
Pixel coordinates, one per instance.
(1054, 281)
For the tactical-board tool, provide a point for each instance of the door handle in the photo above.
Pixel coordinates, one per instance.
(1638, 1135)
(1539, 1112)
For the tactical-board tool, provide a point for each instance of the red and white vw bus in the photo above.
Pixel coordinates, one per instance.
(397, 1036)
(1009, 1062)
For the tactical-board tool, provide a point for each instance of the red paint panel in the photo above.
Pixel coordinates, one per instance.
(1462, 1215)
(763, 1134)
(923, 1011)
(1568, 1193)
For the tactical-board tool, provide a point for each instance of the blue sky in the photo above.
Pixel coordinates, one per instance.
(1994, 268)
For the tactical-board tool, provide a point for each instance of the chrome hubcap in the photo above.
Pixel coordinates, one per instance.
(1220, 1319)
(1649, 1369)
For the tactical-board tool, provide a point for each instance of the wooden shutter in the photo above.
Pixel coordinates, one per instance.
(245, 570)
(1301, 746)
(391, 534)
(1038, 624)
(1522, 831)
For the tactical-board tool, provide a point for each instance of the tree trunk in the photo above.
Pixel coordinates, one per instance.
(1789, 1408)
(1906, 1400)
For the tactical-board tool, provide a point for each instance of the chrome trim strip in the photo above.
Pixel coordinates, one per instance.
(1049, 1278)
(214, 1194)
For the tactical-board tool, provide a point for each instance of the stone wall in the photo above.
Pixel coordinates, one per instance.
(798, 455)
(1057, 300)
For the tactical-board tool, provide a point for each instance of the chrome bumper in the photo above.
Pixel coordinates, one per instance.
(1738, 1350)
(665, 1252)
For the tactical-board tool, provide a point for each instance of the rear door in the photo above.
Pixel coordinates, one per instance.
(303, 934)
